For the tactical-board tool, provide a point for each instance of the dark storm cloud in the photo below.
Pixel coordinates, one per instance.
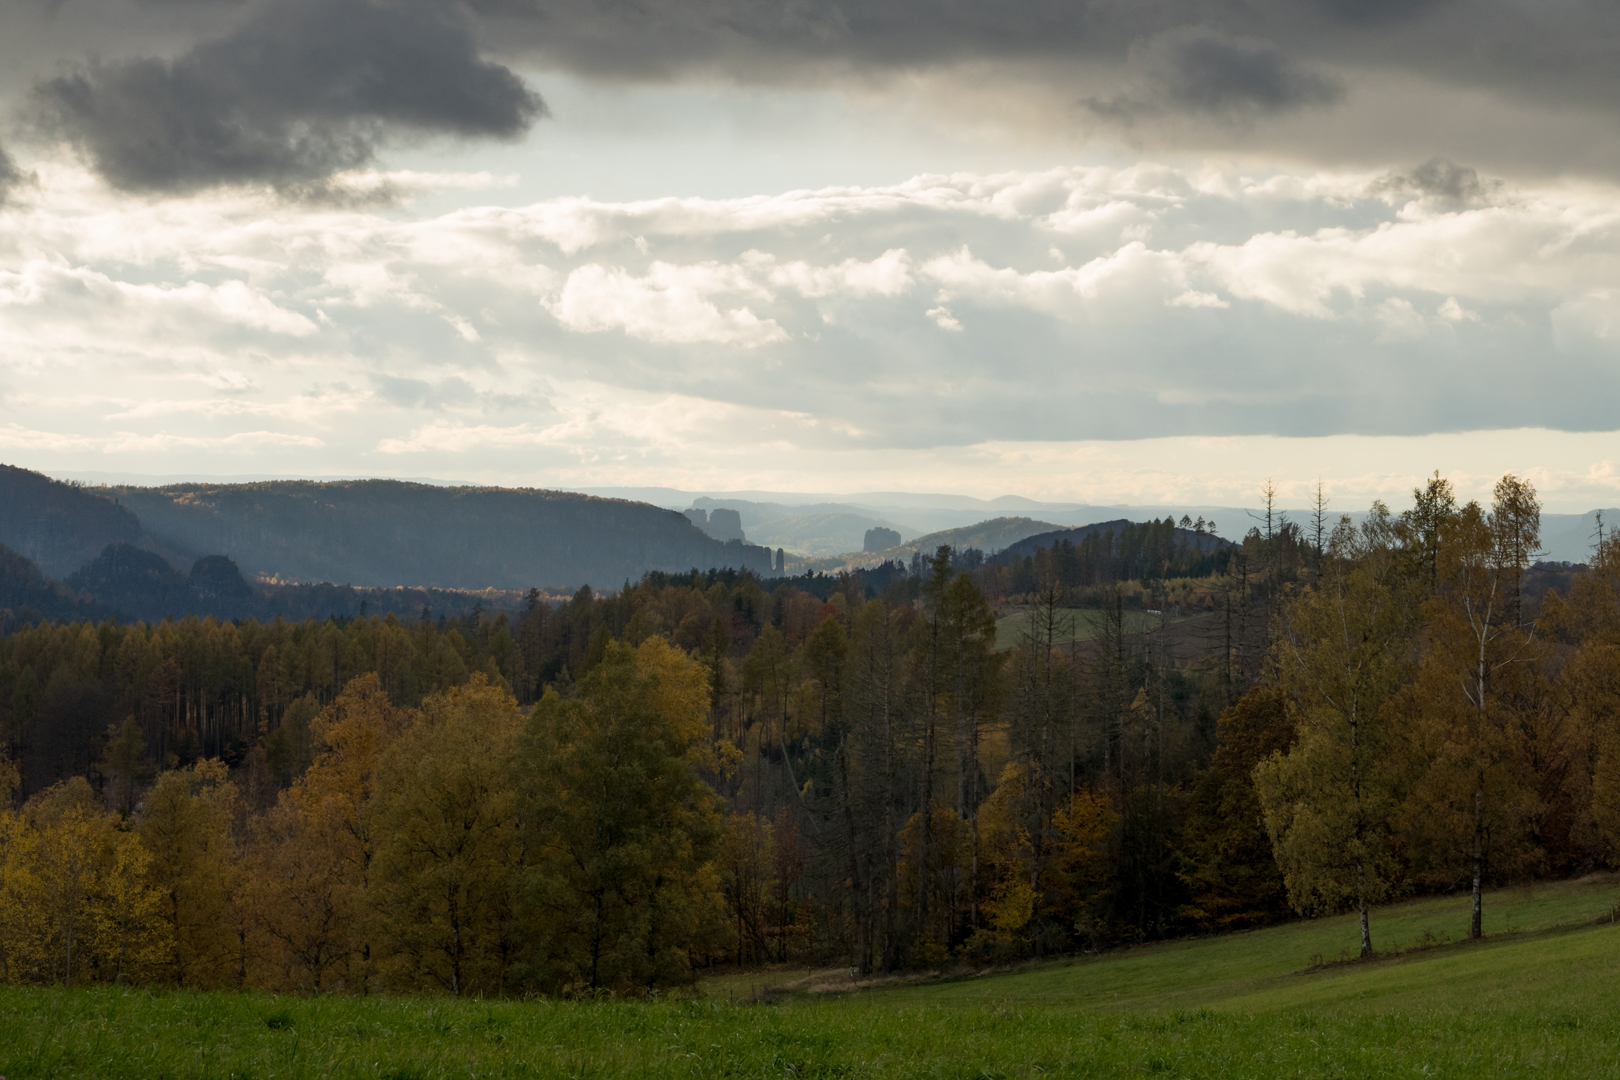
(1209, 75)
(1513, 85)
(1479, 41)
(1262, 59)
(303, 89)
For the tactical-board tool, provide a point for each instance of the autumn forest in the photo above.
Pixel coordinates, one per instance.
(969, 759)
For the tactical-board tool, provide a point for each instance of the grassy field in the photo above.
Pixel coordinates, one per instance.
(1534, 1000)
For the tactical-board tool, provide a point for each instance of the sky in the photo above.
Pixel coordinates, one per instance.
(1093, 251)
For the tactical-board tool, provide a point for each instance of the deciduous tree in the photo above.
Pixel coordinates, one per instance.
(446, 828)
(1344, 650)
(618, 828)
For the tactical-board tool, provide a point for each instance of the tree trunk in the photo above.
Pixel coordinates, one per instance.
(1475, 928)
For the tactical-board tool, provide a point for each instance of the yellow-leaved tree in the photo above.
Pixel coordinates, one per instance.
(22, 932)
(445, 818)
(76, 904)
(310, 867)
(186, 824)
(1328, 801)
(129, 940)
(1476, 792)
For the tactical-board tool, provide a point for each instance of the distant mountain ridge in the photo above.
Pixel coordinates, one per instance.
(373, 533)
(814, 530)
(991, 536)
(390, 532)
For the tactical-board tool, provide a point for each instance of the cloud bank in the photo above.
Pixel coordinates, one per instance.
(945, 311)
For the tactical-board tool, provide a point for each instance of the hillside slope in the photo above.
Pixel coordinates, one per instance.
(388, 532)
(59, 527)
(26, 595)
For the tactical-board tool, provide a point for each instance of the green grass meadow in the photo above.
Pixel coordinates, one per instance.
(1536, 998)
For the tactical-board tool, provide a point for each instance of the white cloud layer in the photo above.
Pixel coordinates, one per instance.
(963, 326)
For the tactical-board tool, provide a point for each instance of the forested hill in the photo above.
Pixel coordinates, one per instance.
(1121, 549)
(388, 532)
(59, 527)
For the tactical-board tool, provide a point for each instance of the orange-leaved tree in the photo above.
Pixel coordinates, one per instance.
(310, 867)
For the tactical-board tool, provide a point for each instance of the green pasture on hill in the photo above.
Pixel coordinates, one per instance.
(1083, 625)
(1535, 999)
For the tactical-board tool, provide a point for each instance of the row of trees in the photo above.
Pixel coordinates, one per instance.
(458, 847)
(1443, 736)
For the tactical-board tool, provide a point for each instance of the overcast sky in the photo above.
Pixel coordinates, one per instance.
(1090, 251)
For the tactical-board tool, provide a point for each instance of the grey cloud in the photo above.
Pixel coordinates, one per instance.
(303, 89)
(1211, 75)
(1441, 179)
(1515, 83)
(420, 394)
(11, 176)
(1378, 12)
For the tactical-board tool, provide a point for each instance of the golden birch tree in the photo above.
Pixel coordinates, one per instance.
(1342, 654)
(1475, 793)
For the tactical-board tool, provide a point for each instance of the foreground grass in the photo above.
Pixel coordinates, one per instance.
(128, 1034)
(1537, 1002)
